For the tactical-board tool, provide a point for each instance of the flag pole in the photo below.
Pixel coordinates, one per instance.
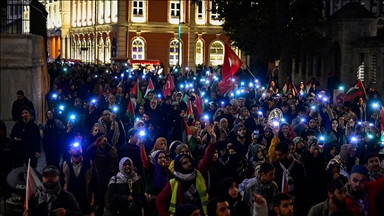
(27, 185)
(249, 71)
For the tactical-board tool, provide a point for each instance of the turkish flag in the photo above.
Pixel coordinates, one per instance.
(169, 86)
(231, 64)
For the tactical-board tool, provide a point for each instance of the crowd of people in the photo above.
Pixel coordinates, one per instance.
(117, 143)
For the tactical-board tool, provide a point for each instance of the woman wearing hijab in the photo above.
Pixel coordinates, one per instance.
(256, 155)
(160, 144)
(230, 192)
(156, 176)
(125, 190)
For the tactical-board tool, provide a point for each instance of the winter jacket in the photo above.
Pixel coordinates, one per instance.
(118, 194)
(65, 200)
(267, 192)
(85, 187)
(373, 188)
(164, 198)
(106, 161)
(272, 148)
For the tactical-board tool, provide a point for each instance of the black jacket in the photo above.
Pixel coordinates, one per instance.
(30, 135)
(17, 107)
(65, 200)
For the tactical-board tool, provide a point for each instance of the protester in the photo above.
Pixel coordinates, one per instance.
(50, 198)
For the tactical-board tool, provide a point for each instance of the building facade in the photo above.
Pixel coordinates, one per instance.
(98, 31)
(353, 45)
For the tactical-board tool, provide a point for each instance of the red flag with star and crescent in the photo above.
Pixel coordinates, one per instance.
(169, 86)
(231, 64)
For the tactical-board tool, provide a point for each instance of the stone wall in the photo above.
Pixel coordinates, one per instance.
(23, 66)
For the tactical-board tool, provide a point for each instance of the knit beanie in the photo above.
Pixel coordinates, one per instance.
(177, 164)
(297, 140)
(363, 170)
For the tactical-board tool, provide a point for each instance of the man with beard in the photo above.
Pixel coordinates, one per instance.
(105, 157)
(26, 137)
(228, 115)
(361, 194)
(188, 186)
(372, 162)
(283, 204)
(290, 176)
(50, 199)
(240, 141)
(263, 185)
(335, 201)
(81, 179)
(19, 104)
(254, 122)
(110, 127)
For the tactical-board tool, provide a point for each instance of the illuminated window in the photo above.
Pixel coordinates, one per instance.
(174, 52)
(138, 49)
(175, 9)
(199, 52)
(216, 53)
(138, 11)
(200, 12)
(214, 18)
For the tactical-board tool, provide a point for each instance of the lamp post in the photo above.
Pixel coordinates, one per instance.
(179, 35)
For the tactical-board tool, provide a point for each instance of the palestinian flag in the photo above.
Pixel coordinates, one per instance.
(150, 88)
(130, 109)
(190, 111)
(187, 134)
(357, 90)
(136, 91)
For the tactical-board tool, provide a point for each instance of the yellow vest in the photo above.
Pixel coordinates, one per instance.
(201, 188)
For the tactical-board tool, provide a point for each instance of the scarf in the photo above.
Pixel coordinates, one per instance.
(287, 182)
(361, 202)
(104, 129)
(375, 175)
(185, 177)
(47, 196)
(123, 177)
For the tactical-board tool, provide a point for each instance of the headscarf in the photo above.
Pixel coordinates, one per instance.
(225, 184)
(136, 125)
(161, 175)
(123, 177)
(157, 145)
(181, 146)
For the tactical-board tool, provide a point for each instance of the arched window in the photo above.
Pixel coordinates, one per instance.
(107, 51)
(199, 58)
(138, 49)
(78, 51)
(101, 50)
(216, 53)
(174, 52)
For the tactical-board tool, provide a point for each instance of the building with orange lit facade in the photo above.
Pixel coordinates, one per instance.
(96, 31)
